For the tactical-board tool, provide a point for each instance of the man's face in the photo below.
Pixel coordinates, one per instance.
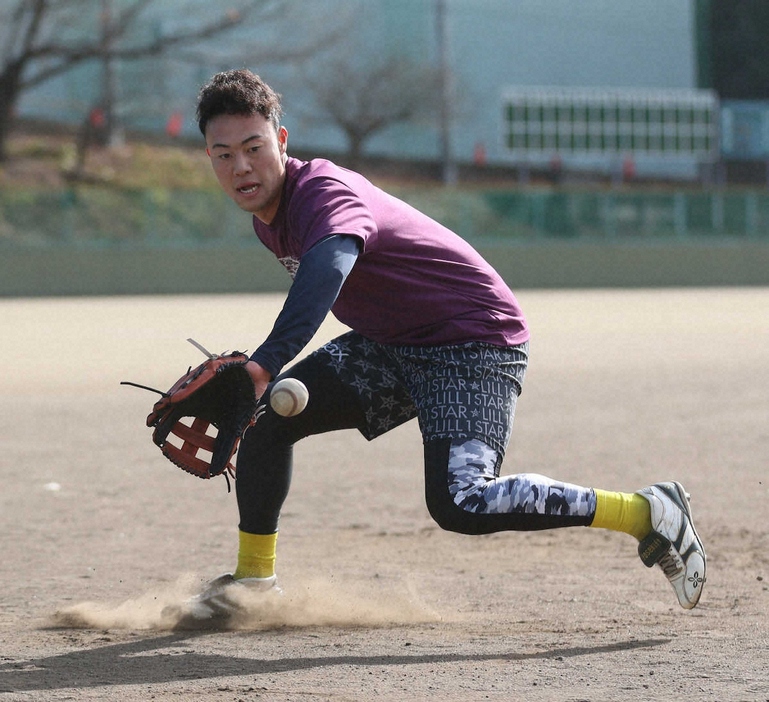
(249, 160)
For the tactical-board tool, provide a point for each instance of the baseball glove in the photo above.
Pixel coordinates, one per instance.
(218, 393)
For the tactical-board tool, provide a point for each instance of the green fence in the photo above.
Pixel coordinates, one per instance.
(598, 215)
(99, 216)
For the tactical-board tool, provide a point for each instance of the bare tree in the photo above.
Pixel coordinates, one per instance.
(363, 99)
(42, 39)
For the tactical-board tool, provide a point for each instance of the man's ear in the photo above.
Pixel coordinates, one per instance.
(282, 139)
(208, 152)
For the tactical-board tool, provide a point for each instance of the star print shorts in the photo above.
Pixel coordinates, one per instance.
(467, 391)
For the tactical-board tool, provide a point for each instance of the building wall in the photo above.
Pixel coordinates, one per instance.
(492, 44)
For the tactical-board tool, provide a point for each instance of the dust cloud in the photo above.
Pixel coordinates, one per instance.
(319, 603)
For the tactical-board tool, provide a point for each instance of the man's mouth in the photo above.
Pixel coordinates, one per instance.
(248, 189)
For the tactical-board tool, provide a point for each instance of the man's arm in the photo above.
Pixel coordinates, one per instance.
(319, 278)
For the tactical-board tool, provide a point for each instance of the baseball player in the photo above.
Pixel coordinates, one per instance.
(436, 335)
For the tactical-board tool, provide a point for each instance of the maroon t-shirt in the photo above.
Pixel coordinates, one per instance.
(415, 282)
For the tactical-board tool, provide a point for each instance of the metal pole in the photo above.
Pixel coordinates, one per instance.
(109, 85)
(449, 166)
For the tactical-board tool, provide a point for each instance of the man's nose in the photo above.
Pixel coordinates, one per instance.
(242, 164)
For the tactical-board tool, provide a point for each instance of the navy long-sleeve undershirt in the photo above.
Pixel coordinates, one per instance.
(319, 278)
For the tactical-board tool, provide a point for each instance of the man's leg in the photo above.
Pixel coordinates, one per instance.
(264, 462)
(351, 385)
(465, 494)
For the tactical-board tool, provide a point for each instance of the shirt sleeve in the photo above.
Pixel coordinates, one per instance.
(319, 278)
(322, 206)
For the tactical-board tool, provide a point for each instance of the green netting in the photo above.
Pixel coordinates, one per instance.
(102, 216)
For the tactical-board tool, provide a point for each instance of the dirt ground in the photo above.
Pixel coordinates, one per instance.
(625, 388)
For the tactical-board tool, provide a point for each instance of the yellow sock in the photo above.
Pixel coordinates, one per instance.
(622, 511)
(256, 555)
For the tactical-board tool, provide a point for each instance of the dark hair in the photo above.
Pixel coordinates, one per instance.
(238, 92)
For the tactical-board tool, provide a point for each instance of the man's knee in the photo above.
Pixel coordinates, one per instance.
(450, 516)
(440, 503)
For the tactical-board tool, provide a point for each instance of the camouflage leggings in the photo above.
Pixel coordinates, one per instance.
(475, 486)
(466, 494)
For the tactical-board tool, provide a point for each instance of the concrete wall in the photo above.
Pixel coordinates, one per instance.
(247, 268)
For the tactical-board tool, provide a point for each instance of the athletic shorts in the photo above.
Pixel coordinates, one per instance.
(467, 391)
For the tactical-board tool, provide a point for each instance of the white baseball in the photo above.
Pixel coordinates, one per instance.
(289, 397)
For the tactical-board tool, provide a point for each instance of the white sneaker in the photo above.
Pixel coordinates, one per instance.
(673, 543)
(220, 601)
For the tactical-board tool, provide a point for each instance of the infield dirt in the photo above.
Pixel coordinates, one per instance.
(625, 388)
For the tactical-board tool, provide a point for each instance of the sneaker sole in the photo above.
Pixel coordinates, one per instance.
(692, 587)
(697, 580)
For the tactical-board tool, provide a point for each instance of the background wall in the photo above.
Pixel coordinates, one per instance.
(248, 268)
(491, 45)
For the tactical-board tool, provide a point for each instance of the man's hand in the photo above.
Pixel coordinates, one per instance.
(260, 377)
(221, 393)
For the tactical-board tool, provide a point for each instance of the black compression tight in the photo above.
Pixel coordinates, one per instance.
(265, 455)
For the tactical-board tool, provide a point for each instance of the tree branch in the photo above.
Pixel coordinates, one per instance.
(66, 56)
